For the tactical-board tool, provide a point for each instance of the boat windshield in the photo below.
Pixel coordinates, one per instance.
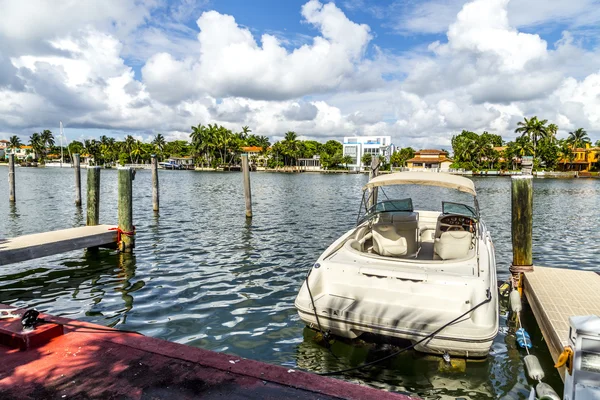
(458, 208)
(392, 205)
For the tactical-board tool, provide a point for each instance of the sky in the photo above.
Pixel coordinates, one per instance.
(419, 71)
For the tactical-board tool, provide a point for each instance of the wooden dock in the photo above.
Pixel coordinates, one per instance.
(44, 244)
(64, 358)
(554, 295)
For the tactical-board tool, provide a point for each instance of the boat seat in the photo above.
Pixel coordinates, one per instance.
(387, 242)
(452, 245)
(405, 230)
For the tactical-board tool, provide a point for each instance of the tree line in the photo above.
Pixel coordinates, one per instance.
(537, 138)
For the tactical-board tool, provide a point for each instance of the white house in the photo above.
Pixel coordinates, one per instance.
(357, 146)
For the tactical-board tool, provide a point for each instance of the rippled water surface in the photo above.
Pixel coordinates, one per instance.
(203, 276)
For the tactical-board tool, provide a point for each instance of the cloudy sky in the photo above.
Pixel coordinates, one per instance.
(419, 71)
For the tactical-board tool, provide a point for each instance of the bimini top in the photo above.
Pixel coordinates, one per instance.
(423, 178)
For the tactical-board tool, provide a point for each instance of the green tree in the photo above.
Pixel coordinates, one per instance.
(399, 158)
(159, 142)
(366, 159)
(578, 138)
(534, 129)
(35, 141)
(14, 143)
(347, 159)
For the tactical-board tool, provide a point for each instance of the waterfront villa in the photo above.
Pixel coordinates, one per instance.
(22, 153)
(429, 159)
(181, 162)
(583, 159)
(357, 146)
(255, 154)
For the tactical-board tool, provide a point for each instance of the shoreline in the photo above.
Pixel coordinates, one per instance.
(536, 174)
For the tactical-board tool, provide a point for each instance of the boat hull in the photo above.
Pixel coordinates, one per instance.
(355, 294)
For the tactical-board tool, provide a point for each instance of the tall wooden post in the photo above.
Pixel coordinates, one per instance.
(77, 165)
(11, 178)
(125, 194)
(522, 223)
(93, 196)
(247, 191)
(155, 196)
(373, 172)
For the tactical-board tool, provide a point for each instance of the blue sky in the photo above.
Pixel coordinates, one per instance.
(420, 71)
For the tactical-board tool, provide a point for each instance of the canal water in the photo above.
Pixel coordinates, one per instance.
(203, 276)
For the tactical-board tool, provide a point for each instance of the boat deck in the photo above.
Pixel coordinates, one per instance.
(554, 295)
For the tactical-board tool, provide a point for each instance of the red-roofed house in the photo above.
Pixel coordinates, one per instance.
(429, 159)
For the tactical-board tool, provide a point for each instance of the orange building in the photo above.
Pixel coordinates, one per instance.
(583, 159)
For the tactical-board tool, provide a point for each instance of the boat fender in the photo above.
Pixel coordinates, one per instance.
(566, 358)
(534, 368)
(523, 338)
(545, 392)
(515, 301)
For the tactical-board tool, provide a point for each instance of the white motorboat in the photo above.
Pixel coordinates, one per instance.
(426, 276)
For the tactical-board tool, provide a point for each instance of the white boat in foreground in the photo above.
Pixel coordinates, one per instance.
(426, 276)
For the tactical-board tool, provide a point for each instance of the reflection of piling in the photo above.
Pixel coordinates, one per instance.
(373, 172)
(155, 196)
(247, 191)
(11, 178)
(522, 223)
(93, 196)
(77, 165)
(125, 193)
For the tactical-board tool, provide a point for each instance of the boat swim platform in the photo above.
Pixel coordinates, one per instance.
(83, 360)
(554, 295)
(44, 244)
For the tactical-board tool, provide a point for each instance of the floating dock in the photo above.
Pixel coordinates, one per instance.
(554, 295)
(44, 244)
(63, 358)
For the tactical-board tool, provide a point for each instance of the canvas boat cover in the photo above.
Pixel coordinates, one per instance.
(423, 178)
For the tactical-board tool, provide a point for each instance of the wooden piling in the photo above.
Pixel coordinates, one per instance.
(125, 194)
(247, 191)
(522, 223)
(11, 178)
(373, 172)
(155, 195)
(77, 165)
(93, 196)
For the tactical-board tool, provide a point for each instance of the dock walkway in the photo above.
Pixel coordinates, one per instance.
(44, 244)
(554, 295)
(77, 360)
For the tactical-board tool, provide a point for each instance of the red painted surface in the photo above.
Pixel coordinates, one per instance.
(91, 361)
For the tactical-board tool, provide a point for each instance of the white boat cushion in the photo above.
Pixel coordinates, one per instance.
(387, 242)
(452, 245)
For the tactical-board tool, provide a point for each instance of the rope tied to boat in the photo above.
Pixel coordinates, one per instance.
(122, 232)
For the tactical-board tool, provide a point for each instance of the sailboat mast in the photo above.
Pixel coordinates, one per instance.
(61, 144)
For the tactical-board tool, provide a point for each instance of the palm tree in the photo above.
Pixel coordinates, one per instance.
(552, 131)
(137, 151)
(534, 129)
(245, 132)
(48, 140)
(565, 152)
(522, 146)
(366, 159)
(290, 145)
(35, 141)
(14, 143)
(578, 138)
(159, 142)
(347, 159)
